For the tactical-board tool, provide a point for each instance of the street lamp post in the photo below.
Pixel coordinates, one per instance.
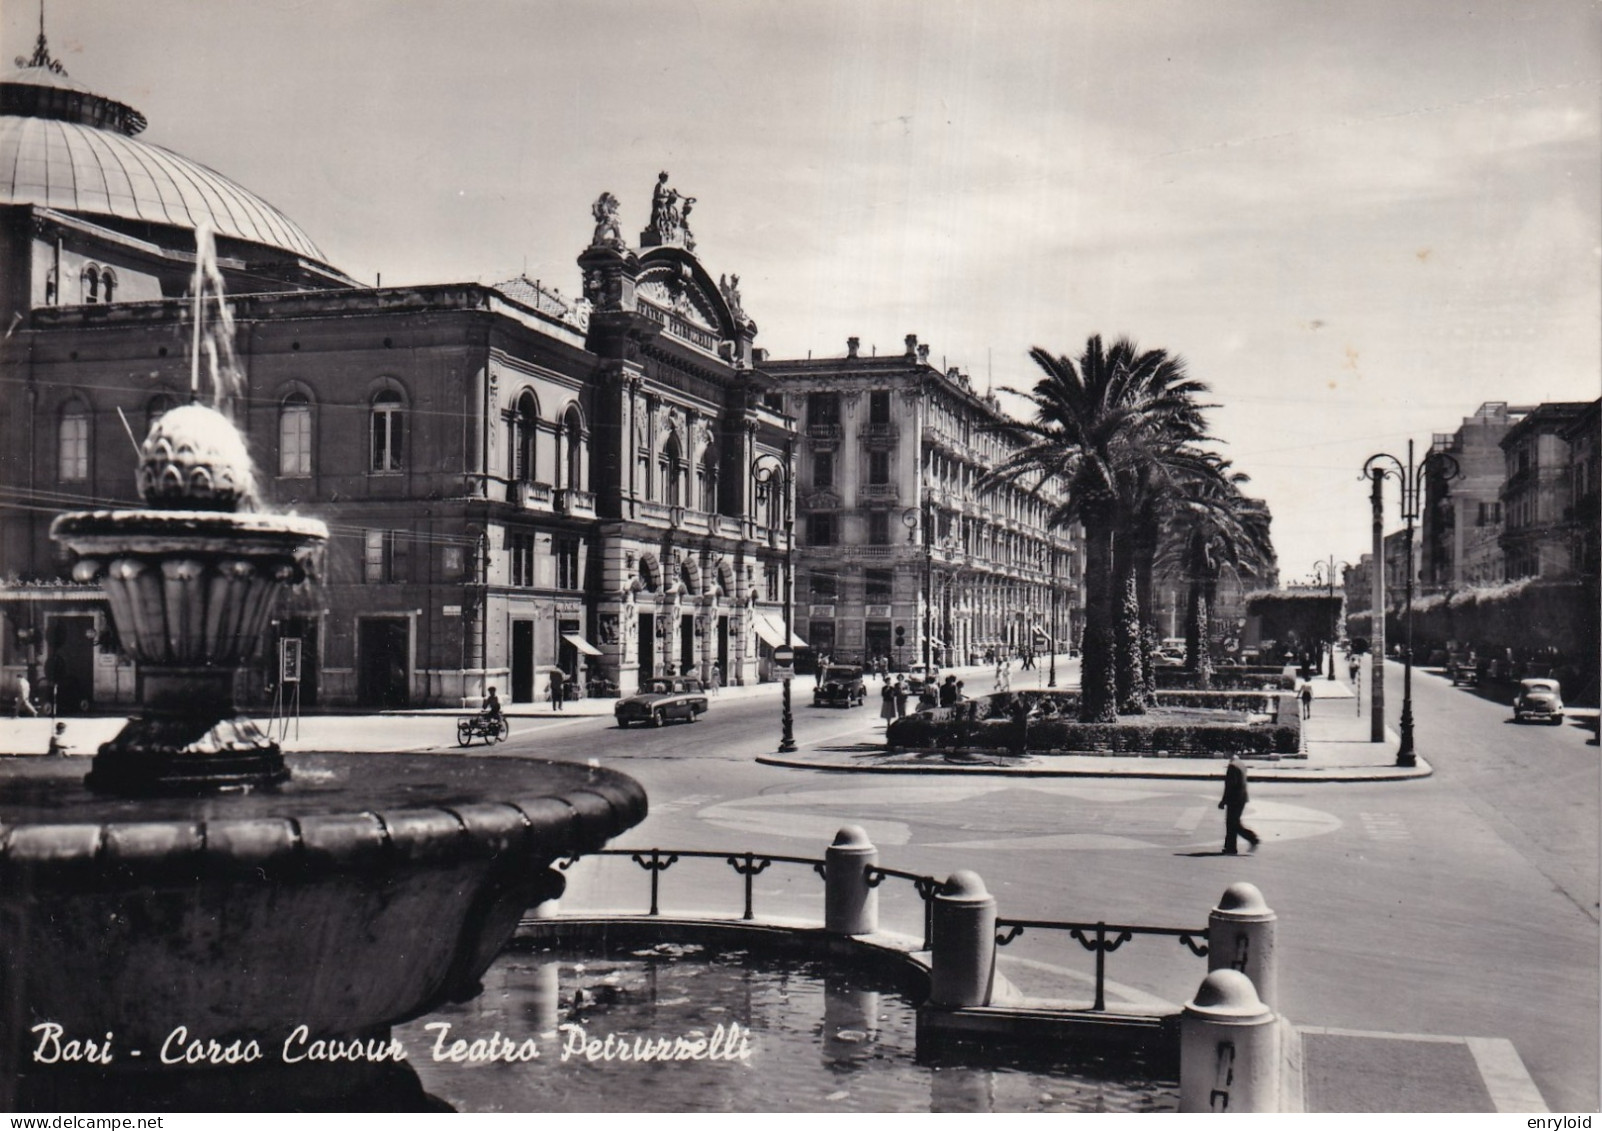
(1321, 577)
(1051, 680)
(771, 476)
(1411, 477)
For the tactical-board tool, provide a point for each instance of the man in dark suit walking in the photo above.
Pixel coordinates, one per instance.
(1233, 805)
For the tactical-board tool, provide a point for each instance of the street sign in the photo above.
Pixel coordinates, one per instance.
(783, 671)
(784, 655)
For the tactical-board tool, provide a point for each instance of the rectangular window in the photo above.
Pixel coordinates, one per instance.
(520, 552)
(878, 528)
(74, 463)
(879, 406)
(451, 562)
(294, 440)
(822, 469)
(879, 584)
(773, 581)
(878, 467)
(375, 560)
(820, 529)
(823, 588)
(567, 563)
(386, 432)
(823, 409)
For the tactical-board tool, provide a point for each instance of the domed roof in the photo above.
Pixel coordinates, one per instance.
(65, 147)
(77, 168)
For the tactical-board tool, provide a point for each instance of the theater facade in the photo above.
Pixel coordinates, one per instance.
(515, 480)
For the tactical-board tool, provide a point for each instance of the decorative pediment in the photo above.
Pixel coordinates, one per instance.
(683, 298)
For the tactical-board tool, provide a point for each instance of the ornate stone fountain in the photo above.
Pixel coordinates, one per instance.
(201, 891)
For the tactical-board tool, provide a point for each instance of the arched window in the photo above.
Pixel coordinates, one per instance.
(388, 418)
(670, 472)
(108, 284)
(525, 425)
(295, 436)
(90, 281)
(157, 407)
(573, 449)
(73, 443)
(706, 481)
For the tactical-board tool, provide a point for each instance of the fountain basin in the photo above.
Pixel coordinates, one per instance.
(190, 592)
(368, 890)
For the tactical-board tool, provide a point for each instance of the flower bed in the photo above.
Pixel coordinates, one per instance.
(1226, 679)
(1185, 725)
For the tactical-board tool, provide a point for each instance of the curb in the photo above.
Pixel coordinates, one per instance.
(1258, 774)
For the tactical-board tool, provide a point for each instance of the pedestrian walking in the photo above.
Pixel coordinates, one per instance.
(58, 742)
(1307, 699)
(558, 679)
(1354, 668)
(1233, 805)
(948, 692)
(903, 693)
(716, 679)
(24, 704)
(887, 705)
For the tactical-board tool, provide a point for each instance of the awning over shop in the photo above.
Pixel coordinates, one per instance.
(581, 644)
(772, 633)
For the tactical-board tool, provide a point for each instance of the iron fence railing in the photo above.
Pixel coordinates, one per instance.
(1108, 937)
(1100, 938)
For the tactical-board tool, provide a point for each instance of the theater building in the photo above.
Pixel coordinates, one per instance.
(513, 480)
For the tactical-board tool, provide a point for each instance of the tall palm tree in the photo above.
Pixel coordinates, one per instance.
(1101, 426)
(1213, 528)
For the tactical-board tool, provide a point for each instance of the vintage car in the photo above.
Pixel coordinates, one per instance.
(1538, 699)
(1464, 672)
(663, 699)
(840, 685)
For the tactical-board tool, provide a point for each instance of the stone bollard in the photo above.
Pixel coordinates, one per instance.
(1240, 936)
(850, 906)
(1228, 1048)
(963, 943)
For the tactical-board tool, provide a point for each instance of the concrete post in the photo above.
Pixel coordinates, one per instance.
(1228, 1048)
(850, 906)
(963, 943)
(1240, 936)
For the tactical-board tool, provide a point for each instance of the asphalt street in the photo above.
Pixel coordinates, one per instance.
(1463, 904)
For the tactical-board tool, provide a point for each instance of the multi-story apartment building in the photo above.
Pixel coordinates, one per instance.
(1537, 505)
(1461, 520)
(903, 551)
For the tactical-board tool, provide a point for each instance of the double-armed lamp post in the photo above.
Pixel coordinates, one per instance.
(1377, 468)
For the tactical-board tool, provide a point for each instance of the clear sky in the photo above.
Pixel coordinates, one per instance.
(1357, 221)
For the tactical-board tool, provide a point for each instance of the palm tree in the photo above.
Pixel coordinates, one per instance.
(1107, 427)
(1212, 528)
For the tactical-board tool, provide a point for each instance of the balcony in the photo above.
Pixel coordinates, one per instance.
(825, 432)
(869, 493)
(572, 501)
(530, 496)
(883, 433)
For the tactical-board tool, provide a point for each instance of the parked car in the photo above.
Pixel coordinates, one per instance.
(840, 685)
(1538, 699)
(1465, 673)
(662, 700)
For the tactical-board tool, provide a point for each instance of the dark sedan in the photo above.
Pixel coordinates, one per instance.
(663, 699)
(840, 685)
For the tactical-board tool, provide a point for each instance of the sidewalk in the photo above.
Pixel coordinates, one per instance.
(1337, 739)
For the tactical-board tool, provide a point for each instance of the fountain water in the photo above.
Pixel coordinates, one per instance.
(175, 917)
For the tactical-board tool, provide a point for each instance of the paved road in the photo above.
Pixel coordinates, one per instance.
(1464, 904)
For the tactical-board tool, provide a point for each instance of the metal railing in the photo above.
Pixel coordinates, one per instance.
(1101, 945)
(1100, 938)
